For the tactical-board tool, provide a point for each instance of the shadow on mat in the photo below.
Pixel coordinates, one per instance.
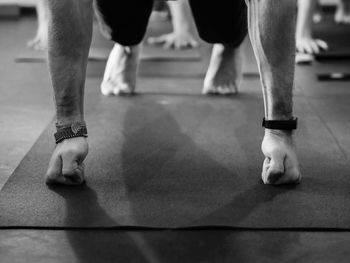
(97, 245)
(157, 149)
(91, 246)
(147, 246)
(170, 153)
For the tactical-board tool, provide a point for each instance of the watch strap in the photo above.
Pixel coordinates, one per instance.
(77, 129)
(291, 124)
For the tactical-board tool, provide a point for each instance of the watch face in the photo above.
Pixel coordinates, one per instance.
(76, 127)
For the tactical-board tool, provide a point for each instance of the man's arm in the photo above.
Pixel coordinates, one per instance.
(70, 31)
(272, 33)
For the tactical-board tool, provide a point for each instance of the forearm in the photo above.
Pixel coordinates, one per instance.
(68, 47)
(68, 86)
(272, 31)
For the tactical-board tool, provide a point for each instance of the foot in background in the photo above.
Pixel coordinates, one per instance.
(342, 14)
(39, 42)
(225, 71)
(309, 45)
(175, 40)
(305, 43)
(181, 37)
(121, 69)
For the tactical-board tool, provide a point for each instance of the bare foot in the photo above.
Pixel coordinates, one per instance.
(66, 164)
(175, 40)
(121, 69)
(225, 71)
(39, 42)
(309, 45)
(342, 14)
(281, 163)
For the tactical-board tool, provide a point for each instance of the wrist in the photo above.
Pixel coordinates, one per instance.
(281, 126)
(279, 116)
(280, 133)
(69, 120)
(72, 130)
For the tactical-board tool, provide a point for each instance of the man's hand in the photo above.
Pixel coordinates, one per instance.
(66, 165)
(281, 163)
(175, 40)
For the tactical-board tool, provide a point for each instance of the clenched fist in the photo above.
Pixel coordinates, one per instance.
(66, 164)
(281, 163)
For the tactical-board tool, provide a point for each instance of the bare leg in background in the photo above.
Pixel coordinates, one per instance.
(224, 73)
(305, 43)
(342, 14)
(39, 42)
(121, 70)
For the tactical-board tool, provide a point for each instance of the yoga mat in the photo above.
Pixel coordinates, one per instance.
(33, 56)
(170, 158)
(149, 53)
(105, 246)
(182, 68)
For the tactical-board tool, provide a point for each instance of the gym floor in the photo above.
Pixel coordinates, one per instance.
(26, 108)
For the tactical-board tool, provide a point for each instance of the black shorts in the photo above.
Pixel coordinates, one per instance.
(220, 21)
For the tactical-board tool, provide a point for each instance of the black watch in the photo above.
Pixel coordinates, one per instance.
(280, 124)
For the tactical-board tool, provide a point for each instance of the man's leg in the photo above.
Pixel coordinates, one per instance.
(223, 23)
(70, 30)
(123, 22)
(272, 32)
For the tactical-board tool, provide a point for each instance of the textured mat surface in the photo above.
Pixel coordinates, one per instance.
(225, 246)
(171, 158)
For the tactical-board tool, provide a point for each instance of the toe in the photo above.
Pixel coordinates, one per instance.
(222, 90)
(123, 89)
(225, 90)
(209, 90)
(107, 88)
(229, 90)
